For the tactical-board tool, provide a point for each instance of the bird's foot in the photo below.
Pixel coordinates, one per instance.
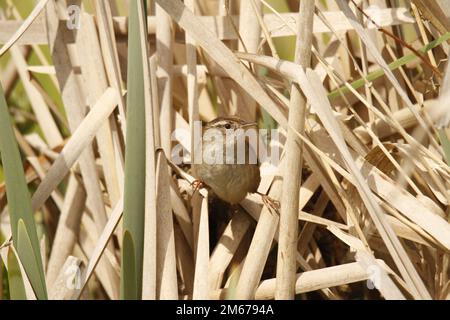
(197, 185)
(270, 203)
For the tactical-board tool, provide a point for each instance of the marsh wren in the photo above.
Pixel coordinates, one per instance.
(232, 178)
(228, 179)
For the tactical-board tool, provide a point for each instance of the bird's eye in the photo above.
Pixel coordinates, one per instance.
(228, 126)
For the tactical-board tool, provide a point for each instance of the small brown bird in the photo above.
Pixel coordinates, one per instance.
(229, 182)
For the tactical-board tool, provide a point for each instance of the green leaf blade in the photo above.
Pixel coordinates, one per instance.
(129, 283)
(15, 280)
(19, 203)
(28, 258)
(134, 196)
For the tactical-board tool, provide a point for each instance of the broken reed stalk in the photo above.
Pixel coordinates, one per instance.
(259, 250)
(287, 248)
(67, 230)
(226, 248)
(310, 280)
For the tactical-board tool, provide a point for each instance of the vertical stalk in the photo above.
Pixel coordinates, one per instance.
(287, 248)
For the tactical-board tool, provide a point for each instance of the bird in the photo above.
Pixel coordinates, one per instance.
(229, 179)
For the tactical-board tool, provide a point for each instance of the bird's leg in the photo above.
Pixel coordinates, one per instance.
(197, 185)
(234, 208)
(6, 243)
(269, 202)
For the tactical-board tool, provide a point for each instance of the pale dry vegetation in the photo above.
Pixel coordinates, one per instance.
(92, 207)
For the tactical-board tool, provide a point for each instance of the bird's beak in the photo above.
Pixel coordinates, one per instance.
(250, 125)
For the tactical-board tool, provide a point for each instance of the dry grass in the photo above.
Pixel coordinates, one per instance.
(362, 110)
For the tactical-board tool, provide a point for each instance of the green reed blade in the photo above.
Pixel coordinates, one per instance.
(19, 204)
